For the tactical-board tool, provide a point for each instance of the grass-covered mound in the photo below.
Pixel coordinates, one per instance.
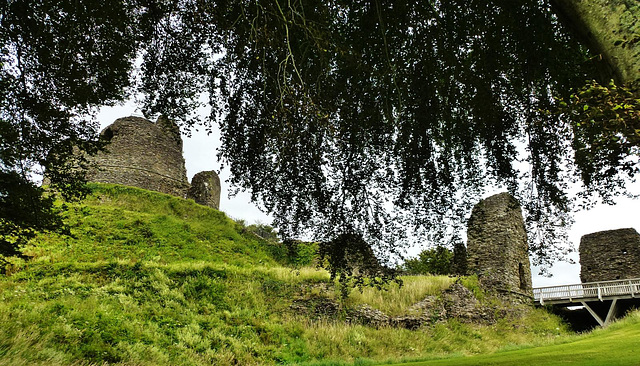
(135, 225)
(150, 279)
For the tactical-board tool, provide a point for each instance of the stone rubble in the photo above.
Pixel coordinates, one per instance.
(457, 302)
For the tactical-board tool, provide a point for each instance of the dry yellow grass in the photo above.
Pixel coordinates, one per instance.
(395, 300)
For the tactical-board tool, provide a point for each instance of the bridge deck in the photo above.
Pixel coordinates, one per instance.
(586, 292)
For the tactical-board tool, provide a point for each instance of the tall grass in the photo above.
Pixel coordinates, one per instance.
(124, 223)
(299, 275)
(337, 343)
(396, 299)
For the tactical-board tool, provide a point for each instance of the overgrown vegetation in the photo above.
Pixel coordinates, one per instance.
(150, 279)
(606, 133)
(396, 299)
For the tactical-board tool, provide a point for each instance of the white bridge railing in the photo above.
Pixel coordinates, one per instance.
(591, 290)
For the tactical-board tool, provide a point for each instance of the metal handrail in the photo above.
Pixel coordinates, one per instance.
(588, 290)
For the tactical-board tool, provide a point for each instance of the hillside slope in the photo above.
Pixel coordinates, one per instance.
(150, 279)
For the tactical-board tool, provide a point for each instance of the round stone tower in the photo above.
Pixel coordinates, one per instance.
(610, 255)
(497, 249)
(142, 154)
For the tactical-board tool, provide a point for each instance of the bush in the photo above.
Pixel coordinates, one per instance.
(301, 253)
(435, 261)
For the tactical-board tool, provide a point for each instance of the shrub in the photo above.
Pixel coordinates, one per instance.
(435, 261)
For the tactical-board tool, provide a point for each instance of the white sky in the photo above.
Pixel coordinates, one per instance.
(200, 155)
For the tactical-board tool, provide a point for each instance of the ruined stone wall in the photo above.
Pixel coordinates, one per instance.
(142, 154)
(610, 255)
(497, 248)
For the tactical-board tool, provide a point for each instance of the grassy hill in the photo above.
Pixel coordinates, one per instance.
(150, 279)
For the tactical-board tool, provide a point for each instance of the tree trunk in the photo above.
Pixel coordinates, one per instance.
(610, 28)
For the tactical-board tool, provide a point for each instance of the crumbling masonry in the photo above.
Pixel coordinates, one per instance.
(497, 249)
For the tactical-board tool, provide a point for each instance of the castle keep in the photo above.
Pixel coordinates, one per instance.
(148, 155)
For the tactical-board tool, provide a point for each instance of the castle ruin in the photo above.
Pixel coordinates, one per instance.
(148, 155)
(497, 248)
(610, 255)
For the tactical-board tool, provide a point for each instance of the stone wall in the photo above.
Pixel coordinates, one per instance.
(497, 248)
(610, 255)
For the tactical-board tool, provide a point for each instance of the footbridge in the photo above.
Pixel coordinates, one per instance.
(599, 298)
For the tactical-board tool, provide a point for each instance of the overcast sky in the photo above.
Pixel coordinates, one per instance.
(200, 155)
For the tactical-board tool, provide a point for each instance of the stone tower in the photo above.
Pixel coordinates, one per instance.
(610, 255)
(148, 155)
(142, 154)
(497, 248)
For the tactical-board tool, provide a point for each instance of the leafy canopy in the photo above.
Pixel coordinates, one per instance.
(380, 120)
(58, 61)
(391, 119)
(434, 261)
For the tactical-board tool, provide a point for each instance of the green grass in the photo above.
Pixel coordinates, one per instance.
(150, 279)
(122, 223)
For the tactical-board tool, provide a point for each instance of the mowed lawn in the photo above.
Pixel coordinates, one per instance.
(619, 344)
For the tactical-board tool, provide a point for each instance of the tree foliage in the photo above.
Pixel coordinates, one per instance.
(385, 117)
(606, 129)
(58, 61)
(375, 121)
(353, 264)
